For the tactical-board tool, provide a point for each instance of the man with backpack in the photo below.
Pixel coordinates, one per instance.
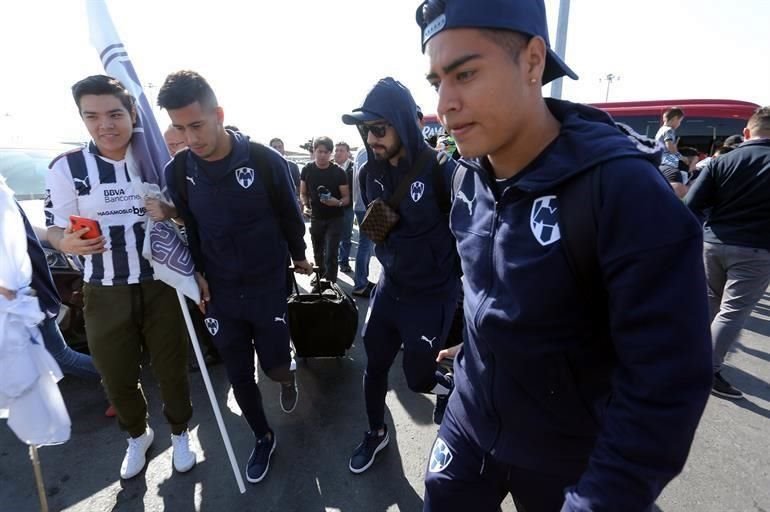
(587, 362)
(416, 296)
(237, 203)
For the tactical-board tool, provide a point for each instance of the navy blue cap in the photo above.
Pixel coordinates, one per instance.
(360, 116)
(524, 16)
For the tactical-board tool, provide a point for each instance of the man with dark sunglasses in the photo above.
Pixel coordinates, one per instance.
(579, 387)
(416, 296)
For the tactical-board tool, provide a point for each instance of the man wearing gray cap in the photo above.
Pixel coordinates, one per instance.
(579, 387)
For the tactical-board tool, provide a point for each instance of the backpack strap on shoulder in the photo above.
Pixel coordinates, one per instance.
(579, 205)
(258, 154)
(180, 173)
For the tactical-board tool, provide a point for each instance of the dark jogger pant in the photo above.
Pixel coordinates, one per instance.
(241, 326)
(121, 323)
(422, 328)
(325, 235)
(461, 477)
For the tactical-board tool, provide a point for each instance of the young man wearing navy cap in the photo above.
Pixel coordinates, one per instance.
(573, 391)
(416, 297)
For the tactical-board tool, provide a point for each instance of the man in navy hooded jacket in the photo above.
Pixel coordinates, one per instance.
(416, 296)
(565, 403)
(241, 230)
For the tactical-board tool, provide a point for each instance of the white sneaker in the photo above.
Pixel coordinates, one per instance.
(184, 459)
(135, 459)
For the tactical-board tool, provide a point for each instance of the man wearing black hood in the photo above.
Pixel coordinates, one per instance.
(415, 299)
(574, 391)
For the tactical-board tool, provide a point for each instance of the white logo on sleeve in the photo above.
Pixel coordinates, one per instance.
(190, 179)
(244, 176)
(428, 341)
(417, 190)
(440, 456)
(280, 319)
(544, 220)
(468, 202)
(380, 184)
(212, 324)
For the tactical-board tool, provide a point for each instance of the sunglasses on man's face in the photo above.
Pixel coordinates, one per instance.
(378, 130)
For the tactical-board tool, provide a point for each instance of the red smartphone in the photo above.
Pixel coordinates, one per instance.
(79, 223)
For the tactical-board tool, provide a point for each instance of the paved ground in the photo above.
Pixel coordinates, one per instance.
(729, 468)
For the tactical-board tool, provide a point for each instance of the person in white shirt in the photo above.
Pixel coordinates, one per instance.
(127, 311)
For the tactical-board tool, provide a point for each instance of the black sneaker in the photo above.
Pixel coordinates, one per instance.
(346, 269)
(259, 461)
(365, 453)
(441, 403)
(723, 388)
(364, 291)
(289, 394)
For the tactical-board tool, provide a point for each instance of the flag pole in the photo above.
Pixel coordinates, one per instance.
(38, 478)
(210, 389)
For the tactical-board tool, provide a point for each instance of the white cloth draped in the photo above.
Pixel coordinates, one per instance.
(29, 396)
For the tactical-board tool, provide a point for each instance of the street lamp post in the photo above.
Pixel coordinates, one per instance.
(609, 79)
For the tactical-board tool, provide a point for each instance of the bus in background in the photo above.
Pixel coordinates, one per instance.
(431, 128)
(706, 122)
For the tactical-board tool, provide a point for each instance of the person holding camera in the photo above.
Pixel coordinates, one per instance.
(325, 192)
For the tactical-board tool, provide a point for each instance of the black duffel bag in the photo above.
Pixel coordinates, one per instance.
(323, 323)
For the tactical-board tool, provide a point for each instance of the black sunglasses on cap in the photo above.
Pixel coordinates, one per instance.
(378, 130)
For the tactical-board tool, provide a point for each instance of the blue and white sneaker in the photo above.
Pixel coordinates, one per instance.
(259, 461)
(365, 453)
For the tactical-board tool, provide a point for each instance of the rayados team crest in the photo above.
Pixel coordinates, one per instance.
(212, 324)
(418, 189)
(244, 176)
(544, 220)
(440, 457)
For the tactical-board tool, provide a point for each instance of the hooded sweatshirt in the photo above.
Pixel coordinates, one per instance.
(419, 257)
(552, 382)
(244, 234)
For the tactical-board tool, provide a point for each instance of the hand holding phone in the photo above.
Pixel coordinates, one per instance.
(79, 223)
(82, 237)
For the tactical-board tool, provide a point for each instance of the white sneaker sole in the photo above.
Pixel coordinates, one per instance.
(726, 395)
(267, 469)
(377, 450)
(289, 411)
(128, 476)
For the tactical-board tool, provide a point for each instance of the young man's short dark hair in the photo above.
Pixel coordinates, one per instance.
(323, 141)
(672, 113)
(723, 150)
(343, 144)
(689, 152)
(101, 85)
(733, 140)
(760, 121)
(184, 88)
(274, 140)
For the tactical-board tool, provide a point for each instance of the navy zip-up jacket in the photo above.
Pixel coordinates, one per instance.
(245, 236)
(551, 382)
(419, 258)
(42, 280)
(736, 189)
